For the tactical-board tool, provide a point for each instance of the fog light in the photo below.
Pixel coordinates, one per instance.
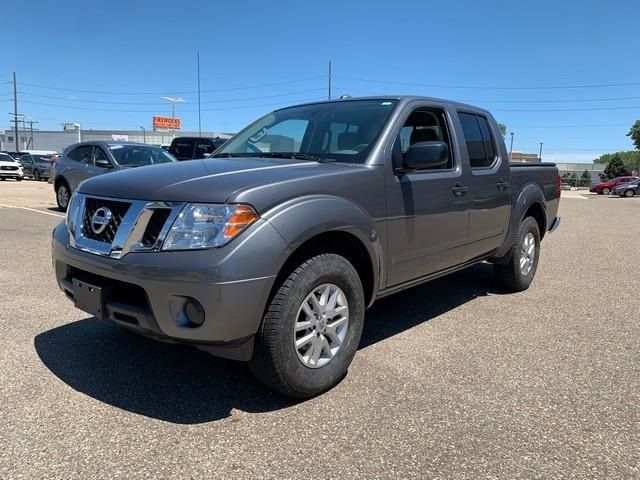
(194, 312)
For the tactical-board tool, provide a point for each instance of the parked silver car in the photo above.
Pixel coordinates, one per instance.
(88, 159)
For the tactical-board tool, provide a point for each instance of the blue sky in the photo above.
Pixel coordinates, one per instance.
(496, 54)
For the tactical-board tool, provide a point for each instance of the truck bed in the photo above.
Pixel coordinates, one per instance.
(545, 176)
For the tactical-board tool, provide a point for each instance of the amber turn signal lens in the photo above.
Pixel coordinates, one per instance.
(243, 216)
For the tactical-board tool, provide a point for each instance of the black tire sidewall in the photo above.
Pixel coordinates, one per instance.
(626, 194)
(63, 185)
(529, 225)
(326, 268)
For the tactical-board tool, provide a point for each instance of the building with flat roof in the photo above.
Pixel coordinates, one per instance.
(58, 140)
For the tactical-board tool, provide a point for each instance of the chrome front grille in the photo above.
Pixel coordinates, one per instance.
(106, 232)
(113, 227)
(8, 167)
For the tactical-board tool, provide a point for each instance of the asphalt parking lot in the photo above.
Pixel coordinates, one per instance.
(453, 379)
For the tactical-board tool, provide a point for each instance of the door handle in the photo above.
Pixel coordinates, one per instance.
(459, 190)
(502, 185)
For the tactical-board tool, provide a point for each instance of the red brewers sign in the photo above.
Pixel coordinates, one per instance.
(166, 123)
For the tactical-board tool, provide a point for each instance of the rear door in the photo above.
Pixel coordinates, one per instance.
(489, 187)
(27, 164)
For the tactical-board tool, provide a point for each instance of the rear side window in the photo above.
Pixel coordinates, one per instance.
(81, 154)
(477, 134)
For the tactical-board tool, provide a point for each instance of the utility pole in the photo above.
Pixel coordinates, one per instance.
(511, 147)
(199, 123)
(540, 155)
(329, 79)
(31, 142)
(15, 111)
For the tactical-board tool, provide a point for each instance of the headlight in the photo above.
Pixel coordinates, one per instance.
(203, 225)
(72, 213)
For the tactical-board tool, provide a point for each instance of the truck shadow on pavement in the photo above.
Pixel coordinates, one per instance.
(183, 385)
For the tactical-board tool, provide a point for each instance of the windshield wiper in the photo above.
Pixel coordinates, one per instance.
(231, 155)
(296, 156)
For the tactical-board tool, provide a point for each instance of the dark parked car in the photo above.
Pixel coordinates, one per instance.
(88, 159)
(604, 188)
(37, 165)
(271, 251)
(627, 189)
(190, 148)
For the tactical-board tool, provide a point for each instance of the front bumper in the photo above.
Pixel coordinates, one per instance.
(10, 174)
(146, 292)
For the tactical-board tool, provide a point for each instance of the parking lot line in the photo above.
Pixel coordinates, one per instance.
(32, 210)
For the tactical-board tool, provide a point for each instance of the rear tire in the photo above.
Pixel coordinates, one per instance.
(606, 191)
(63, 194)
(279, 360)
(629, 193)
(2, 179)
(36, 175)
(18, 179)
(518, 274)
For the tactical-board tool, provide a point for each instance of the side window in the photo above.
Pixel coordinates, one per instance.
(203, 147)
(183, 149)
(25, 159)
(423, 125)
(480, 146)
(99, 154)
(81, 154)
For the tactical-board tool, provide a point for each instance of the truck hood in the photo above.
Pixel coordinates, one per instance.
(4, 163)
(211, 180)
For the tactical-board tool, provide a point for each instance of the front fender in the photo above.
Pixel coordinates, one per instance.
(303, 218)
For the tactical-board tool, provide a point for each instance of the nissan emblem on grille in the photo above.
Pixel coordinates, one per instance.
(100, 220)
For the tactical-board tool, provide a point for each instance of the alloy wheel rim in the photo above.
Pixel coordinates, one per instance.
(63, 196)
(528, 254)
(321, 325)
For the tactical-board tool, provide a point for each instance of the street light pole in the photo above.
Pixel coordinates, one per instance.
(144, 134)
(540, 155)
(511, 147)
(173, 101)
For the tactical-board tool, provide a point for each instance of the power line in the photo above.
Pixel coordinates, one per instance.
(481, 87)
(227, 100)
(565, 109)
(571, 126)
(264, 85)
(71, 107)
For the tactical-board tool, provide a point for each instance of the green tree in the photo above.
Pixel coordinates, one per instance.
(630, 159)
(585, 179)
(503, 128)
(615, 167)
(634, 133)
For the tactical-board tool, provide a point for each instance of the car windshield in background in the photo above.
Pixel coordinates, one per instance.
(343, 131)
(138, 156)
(4, 157)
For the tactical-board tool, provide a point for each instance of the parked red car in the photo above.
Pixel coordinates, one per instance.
(605, 188)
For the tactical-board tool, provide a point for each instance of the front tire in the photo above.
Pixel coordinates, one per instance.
(518, 274)
(606, 191)
(36, 175)
(629, 193)
(18, 179)
(311, 329)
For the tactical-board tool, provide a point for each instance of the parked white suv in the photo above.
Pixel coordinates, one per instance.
(10, 168)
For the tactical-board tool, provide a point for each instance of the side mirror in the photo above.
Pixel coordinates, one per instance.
(206, 155)
(423, 155)
(103, 163)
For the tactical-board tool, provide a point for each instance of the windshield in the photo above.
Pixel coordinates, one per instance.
(343, 131)
(139, 155)
(6, 158)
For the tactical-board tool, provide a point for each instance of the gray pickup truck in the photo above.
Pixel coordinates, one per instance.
(271, 250)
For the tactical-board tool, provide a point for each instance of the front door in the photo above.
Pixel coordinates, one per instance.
(428, 211)
(92, 168)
